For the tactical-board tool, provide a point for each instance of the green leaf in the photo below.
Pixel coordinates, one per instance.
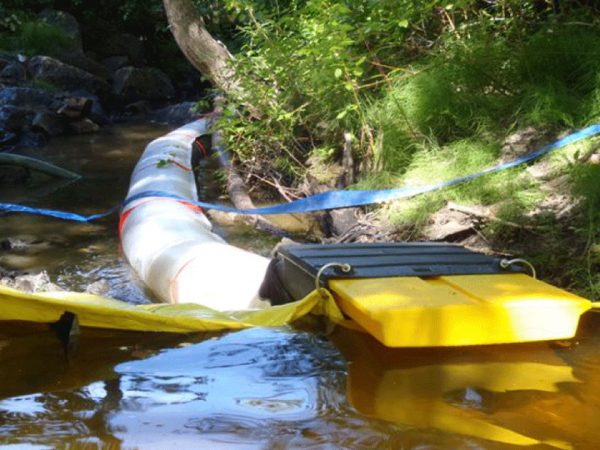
(337, 73)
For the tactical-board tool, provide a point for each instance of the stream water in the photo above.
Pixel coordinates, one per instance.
(258, 388)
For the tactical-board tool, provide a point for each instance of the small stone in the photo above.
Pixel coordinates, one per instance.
(99, 287)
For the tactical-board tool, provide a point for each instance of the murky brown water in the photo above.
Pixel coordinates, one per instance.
(259, 388)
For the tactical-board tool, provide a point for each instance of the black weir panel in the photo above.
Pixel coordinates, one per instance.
(420, 259)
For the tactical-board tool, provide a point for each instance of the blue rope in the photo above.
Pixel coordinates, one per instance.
(325, 200)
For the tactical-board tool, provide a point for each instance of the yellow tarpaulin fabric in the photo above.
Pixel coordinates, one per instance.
(101, 312)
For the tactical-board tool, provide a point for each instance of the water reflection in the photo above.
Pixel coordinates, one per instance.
(514, 394)
(277, 388)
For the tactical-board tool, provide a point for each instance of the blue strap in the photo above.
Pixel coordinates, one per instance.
(64, 215)
(325, 200)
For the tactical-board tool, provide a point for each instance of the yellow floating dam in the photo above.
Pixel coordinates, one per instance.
(460, 310)
(428, 294)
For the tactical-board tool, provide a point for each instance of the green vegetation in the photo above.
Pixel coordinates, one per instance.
(431, 91)
(31, 36)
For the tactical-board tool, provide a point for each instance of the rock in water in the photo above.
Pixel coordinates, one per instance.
(134, 84)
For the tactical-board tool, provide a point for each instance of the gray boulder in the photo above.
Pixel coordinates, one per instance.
(65, 76)
(82, 61)
(24, 97)
(13, 73)
(134, 84)
(14, 118)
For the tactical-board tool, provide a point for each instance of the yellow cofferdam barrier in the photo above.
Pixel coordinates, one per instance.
(101, 312)
(399, 311)
(459, 309)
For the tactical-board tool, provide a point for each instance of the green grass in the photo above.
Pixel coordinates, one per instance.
(34, 37)
(462, 100)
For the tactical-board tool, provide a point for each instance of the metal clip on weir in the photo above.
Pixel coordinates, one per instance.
(343, 266)
(506, 263)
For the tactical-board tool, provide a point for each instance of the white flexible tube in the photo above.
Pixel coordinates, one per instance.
(170, 244)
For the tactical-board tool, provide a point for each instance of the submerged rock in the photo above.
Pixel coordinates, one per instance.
(39, 282)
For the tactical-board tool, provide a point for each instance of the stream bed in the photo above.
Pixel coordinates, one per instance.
(280, 388)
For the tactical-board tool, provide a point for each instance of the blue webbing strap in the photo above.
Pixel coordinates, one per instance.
(325, 200)
(64, 215)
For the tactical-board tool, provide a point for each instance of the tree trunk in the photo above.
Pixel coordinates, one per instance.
(209, 56)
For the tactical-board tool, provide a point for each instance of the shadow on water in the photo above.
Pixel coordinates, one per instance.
(259, 388)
